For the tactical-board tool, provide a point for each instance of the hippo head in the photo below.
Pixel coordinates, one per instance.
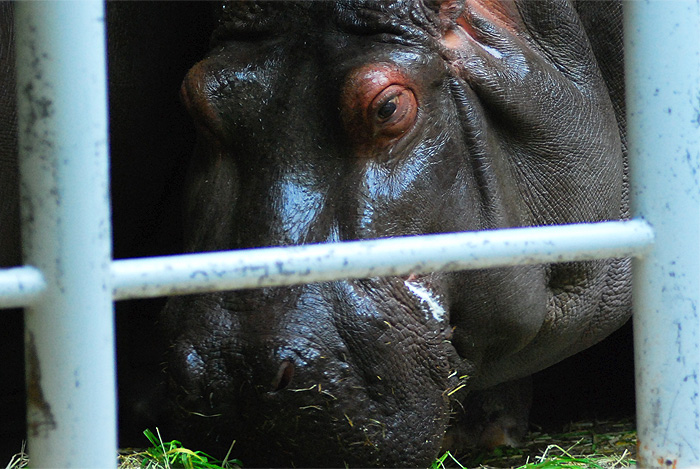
(329, 121)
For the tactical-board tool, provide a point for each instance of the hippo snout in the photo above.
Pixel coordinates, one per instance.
(297, 371)
(208, 379)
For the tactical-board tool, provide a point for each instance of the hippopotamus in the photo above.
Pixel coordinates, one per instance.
(344, 120)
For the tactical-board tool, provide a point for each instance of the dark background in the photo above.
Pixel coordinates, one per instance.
(597, 383)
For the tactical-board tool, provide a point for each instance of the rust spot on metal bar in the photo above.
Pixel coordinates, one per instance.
(40, 418)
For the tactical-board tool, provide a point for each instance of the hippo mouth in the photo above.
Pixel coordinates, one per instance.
(311, 388)
(337, 422)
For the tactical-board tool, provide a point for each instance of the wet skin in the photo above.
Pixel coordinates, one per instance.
(334, 121)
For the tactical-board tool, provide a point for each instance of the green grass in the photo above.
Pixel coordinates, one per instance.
(160, 455)
(554, 457)
(19, 460)
(594, 445)
(172, 454)
(599, 445)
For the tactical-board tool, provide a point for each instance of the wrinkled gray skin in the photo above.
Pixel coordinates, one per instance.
(334, 121)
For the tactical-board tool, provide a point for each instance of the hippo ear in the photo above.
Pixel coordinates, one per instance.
(460, 12)
(526, 32)
(448, 10)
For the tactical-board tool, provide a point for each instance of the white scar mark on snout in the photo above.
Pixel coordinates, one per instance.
(427, 297)
(494, 52)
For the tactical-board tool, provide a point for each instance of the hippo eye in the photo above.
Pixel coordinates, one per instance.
(394, 110)
(378, 107)
(387, 109)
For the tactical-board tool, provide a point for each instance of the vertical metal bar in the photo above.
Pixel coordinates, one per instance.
(663, 69)
(69, 333)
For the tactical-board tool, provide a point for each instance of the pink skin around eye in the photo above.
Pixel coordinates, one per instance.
(370, 124)
(401, 111)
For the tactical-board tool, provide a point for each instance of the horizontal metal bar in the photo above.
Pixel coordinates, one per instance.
(264, 267)
(20, 286)
(254, 268)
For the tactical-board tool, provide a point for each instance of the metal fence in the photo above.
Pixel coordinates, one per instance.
(69, 281)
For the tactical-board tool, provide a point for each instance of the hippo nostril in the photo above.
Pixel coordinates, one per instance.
(187, 367)
(284, 376)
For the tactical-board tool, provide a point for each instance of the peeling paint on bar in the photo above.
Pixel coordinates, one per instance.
(64, 184)
(662, 54)
(254, 268)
